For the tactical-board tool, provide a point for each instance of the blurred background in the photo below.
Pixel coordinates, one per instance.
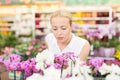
(24, 24)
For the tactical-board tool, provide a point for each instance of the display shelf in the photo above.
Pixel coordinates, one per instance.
(105, 58)
(93, 16)
(6, 22)
(3, 29)
(7, 19)
(92, 26)
(117, 14)
(42, 16)
(9, 24)
(18, 19)
(42, 19)
(90, 16)
(42, 22)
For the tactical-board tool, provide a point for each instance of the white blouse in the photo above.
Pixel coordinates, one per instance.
(76, 44)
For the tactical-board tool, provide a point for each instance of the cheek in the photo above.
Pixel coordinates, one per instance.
(68, 31)
(54, 32)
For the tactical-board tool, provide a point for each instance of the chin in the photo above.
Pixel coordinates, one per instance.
(61, 41)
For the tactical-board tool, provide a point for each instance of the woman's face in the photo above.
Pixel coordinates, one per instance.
(61, 28)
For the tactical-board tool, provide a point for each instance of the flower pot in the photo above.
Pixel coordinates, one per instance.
(99, 78)
(96, 52)
(107, 52)
(101, 51)
(22, 77)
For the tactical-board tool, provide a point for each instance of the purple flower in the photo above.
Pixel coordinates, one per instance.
(108, 62)
(28, 53)
(58, 59)
(33, 41)
(6, 63)
(15, 58)
(112, 28)
(31, 65)
(96, 63)
(116, 62)
(19, 66)
(106, 30)
(103, 30)
(25, 65)
(32, 60)
(7, 50)
(89, 34)
(74, 26)
(1, 59)
(13, 66)
(28, 72)
(47, 65)
(61, 61)
(35, 70)
(30, 47)
(95, 34)
(41, 72)
(68, 75)
(69, 55)
(57, 66)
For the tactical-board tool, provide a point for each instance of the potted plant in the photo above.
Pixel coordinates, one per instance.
(104, 40)
(9, 40)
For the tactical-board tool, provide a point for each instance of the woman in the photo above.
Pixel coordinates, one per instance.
(62, 40)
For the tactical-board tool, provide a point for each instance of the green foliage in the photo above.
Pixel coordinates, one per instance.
(111, 42)
(96, 44)
(105, 42)
(8, 40)
(2, 41)
(117, 44)
(29, 49)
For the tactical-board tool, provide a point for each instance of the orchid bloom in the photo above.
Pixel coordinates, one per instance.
(7, 50)
(15, 58)
(96, 63)
(1, 59)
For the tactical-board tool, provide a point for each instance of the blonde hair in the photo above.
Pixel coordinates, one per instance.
(62, 13)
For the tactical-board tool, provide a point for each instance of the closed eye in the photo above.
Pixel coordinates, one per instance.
(63, 28)
(54, 28)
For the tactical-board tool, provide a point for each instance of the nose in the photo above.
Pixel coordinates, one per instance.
(59, 32)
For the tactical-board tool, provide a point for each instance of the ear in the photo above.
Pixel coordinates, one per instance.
(71, 28)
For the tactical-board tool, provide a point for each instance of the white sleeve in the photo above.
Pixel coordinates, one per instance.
(79, 44)
(48, 39)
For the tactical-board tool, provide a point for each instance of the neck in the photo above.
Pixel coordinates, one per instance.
(64, 44)
(67, 41)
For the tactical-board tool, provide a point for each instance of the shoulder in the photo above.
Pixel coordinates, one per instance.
(84, 42)
(86, 45)
(80, 40)
(49, 35)
(49, 38)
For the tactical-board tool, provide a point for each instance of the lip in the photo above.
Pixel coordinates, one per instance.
(59, 38)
